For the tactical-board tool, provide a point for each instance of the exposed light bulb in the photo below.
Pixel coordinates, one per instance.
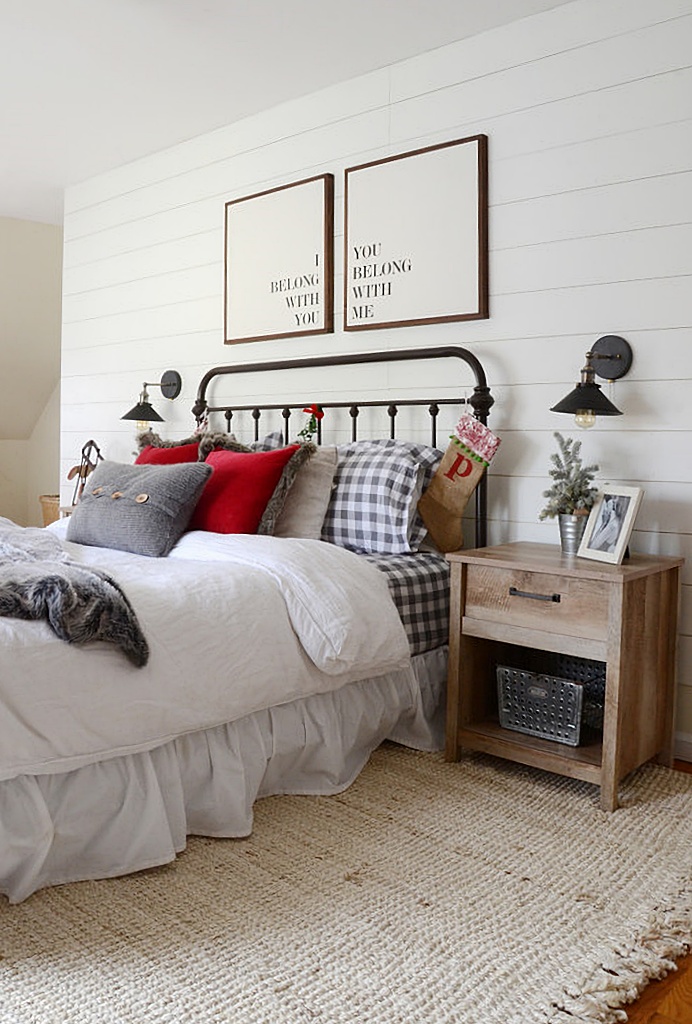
(142, 426)
(585, 418)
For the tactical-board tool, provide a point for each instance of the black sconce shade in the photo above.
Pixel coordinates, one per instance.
(170, 384)
(586, 395)
(143, 411)
(609, 358)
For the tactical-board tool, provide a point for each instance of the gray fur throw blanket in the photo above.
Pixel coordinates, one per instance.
(80, 604)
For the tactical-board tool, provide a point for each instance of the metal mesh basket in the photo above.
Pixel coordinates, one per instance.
(540, 705)
(591, 673)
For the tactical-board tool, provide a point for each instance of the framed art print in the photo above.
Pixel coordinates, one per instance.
(610, 523)
(279, 248)
(416, 237)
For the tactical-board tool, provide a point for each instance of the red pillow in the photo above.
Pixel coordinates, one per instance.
(168, 456)
(239, 489)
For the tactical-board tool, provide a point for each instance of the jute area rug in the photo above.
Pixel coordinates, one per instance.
(473, 893)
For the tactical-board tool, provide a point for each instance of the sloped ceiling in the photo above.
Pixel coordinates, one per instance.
(89, 85)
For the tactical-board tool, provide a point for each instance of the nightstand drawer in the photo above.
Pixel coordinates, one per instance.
(551, 603)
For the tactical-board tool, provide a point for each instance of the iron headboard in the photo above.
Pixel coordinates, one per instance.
(480, 399)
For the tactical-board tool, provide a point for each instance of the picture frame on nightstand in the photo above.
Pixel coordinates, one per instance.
(610, 523)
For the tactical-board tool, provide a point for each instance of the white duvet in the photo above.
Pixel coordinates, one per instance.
(234, 624)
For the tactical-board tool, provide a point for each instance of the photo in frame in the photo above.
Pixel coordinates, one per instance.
(610, 523)
(279, 262)
(416, 237)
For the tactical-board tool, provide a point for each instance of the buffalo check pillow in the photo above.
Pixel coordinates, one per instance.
(377, 485)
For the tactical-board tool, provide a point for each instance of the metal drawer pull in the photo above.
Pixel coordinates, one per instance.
(513, 592)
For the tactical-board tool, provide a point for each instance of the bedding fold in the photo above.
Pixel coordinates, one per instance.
(235, 624)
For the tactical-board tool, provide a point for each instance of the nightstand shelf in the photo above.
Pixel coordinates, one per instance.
(583, 762)
(531, 596)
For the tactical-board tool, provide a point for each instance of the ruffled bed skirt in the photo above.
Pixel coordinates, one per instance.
(134, 812)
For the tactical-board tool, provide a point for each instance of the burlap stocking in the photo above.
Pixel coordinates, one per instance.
(463, 464)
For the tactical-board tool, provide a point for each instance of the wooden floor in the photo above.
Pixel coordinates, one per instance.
(668, 1001)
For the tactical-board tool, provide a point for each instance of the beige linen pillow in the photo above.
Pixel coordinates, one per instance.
(306, 502)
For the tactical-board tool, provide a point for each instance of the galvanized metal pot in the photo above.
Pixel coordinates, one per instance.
(571, 532)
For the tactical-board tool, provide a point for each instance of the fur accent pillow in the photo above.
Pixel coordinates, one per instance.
(154, 449)
(150, 439)
(216, 441)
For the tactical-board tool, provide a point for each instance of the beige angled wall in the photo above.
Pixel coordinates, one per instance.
(14, 481)
(43, 469)
(30, 326)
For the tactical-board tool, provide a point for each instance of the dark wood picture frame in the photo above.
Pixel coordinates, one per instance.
(416, 237)
(279, 262)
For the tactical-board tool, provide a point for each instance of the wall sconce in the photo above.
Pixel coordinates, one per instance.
(144, 413)
(610, 358)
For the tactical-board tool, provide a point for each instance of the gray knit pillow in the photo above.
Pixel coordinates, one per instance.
(140, 508)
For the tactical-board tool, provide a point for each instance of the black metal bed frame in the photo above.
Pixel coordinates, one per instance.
(480, 400)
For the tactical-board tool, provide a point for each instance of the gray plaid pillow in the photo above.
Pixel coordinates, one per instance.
(377, 486)
(269, 442)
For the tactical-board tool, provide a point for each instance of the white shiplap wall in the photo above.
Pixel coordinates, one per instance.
(588, 109)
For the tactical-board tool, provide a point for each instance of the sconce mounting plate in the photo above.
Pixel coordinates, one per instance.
(612, 357)
(171, 383)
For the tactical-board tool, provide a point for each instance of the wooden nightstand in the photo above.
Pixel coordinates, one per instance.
(532, 596)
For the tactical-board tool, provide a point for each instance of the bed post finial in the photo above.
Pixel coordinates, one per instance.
(199, 410)
(481, 402)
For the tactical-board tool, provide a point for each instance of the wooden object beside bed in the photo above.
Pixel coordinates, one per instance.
(532, 596)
